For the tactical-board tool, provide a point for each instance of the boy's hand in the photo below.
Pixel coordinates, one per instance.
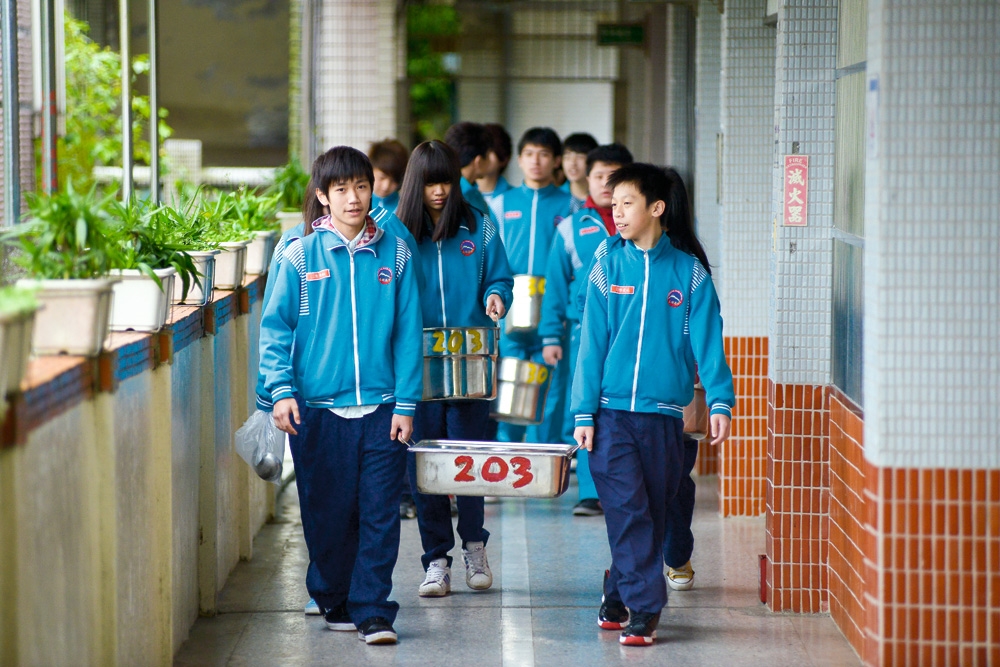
(494, 307)
(720, 429)
(283, 413)
(552, 354)
(402, 428)
(584, 436)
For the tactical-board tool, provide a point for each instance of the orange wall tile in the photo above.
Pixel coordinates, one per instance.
(742, 460)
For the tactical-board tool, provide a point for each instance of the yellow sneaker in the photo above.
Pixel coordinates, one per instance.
(681, 579)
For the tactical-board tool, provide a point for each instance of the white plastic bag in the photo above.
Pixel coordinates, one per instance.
(262, 445)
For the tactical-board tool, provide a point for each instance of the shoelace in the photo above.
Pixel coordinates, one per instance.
(476, 559)
(436, 573)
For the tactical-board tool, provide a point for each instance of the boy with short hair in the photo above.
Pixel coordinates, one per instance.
(388, 158)
(492, 183)
(346, 297)
(472, 143)
(569, 262)
(651, 314)
(574, 164)
(527, 217)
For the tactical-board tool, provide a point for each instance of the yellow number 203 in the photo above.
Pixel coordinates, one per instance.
(455, 340)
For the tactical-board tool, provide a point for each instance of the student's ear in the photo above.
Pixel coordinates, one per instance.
(557, 162)
(658, 207)
(321, 196)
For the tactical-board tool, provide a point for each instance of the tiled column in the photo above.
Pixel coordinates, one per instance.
(747, 109)
(355, 68)
(798, 399)
(708, 66)
(25, 125)
(932, 332)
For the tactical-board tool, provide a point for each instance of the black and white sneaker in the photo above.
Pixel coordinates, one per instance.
(641, 629)
(588, 507)
(338, 618)
(613, 614)
(407, 507)
(377, 630)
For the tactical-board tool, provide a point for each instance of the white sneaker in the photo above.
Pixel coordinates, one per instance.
(437, 580)
(477, 570)
(312, 609)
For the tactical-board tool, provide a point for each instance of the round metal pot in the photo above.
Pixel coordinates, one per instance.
(522, 387)
(525, 312)
(460, 362)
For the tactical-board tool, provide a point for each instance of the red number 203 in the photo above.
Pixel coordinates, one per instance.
(495, 469)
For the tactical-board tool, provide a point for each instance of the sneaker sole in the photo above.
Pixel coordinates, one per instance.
(633, 640)
(341, 627)
(385, 637)
(583, 511)
(434, 594)
(680, 586)
(479, 588)
(610, 625)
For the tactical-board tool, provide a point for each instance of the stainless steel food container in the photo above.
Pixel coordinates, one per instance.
(463, 468)
(525, 312)
(696, 415)
(522, 387)
(460, 363)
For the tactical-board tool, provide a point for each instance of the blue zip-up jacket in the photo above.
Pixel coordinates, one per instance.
(388, 203)
(576, 205)
(503, 185)
(527, 219)
(569, 263)
(460, 273)
(475, 198)
(650, 316)
(382, 218)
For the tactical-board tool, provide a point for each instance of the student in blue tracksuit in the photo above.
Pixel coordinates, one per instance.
(468, 285)
(574, 164)
(651, 314)
(569, 262)
(492, 182)
(340, 350)
(388, 158)
(527, 217)
(471, 142)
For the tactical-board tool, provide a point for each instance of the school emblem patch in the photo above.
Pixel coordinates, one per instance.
(385, 275)
(467, 247)
(589, 230)
(512, 215)
(674, 298)
(622, 289)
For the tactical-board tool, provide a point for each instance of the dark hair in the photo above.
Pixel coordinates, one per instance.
(500, 143)
(609, 154)
(469, 140)
(433, 162)
(541, 136)
(581, 142)
(337, 165)
(666, 185)
(390, 156)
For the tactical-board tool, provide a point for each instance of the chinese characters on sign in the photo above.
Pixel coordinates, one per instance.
(796, 202)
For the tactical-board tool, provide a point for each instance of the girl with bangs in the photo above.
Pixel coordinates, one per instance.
(467, 284)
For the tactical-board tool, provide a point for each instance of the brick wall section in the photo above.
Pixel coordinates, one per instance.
(798, 498)
(742, 459)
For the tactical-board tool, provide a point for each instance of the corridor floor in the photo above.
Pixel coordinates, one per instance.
(547, 567)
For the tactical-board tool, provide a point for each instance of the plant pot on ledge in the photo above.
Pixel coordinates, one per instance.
(140, 304)
(259, 252)
(75, 315)
(198, 294)
(288, 219)
(16, 325)
(230, 265)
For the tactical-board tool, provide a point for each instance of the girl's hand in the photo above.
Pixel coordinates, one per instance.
(552, 354)
(584, 436)
(494, 307)
(401, 428)
(283, 413)
(720, 429)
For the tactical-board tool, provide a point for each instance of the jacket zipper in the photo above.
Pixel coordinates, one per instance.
(642, 326)
(531, 238)
(444, 314)
(354, 321)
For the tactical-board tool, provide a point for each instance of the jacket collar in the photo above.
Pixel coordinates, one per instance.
(661, 248)
(548, 189)
(369, 237)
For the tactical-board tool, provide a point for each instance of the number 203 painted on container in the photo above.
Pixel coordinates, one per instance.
(454, 342)
(495, 470)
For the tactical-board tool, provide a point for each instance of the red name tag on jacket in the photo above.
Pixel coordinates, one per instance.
(622, 289)
(589, 230)
(318, 275)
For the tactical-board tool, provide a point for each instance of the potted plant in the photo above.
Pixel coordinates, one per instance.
(17, 317)
(150, 264)
(67, 247)
(181, 228)
(289, 185)
(218, 222)
(256, 214)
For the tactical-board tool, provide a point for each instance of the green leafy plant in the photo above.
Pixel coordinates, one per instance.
(289, 185)
(68, 234)
(254, 212)
(14, 300)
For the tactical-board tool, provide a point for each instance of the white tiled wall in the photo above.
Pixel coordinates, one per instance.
(355, 72)
(801, 260)
(747, 119)
(680, 29)
(932, 233)
(708, 63)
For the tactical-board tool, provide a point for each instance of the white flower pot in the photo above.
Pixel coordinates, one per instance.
(289, 219)
(259, 253)
(15, 348)
(230, 265)
(75, 316)
(140, 304)
(198, 294)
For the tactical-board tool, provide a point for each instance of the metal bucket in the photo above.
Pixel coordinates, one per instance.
(460, 363)
(525, 312)
(462, 468)
(521, 391)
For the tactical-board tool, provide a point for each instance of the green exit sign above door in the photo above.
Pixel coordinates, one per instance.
(620, 34)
